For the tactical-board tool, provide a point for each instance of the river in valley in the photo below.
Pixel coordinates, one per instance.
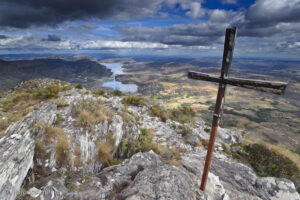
(117, 69)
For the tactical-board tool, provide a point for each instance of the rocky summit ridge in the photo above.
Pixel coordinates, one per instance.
(85, 145)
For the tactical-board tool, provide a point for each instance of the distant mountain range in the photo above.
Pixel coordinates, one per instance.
(71, 69)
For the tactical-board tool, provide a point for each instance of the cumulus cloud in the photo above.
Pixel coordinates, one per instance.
(191, 8)
(22, 14)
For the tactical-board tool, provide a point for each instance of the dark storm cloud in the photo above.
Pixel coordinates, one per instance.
(3, 37)
(272, 12)
(52, 38)
(265, 18)
(181, 34)
(22, 14)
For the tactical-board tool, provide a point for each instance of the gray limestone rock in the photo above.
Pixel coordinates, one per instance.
(144, 175)
(34, 192)
(17, 150)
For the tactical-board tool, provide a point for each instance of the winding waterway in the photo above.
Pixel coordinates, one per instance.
(117, 69)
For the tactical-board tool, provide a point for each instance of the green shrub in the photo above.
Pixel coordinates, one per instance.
(134, 101)
(68, 181)
(58, 119)
(47, 92)
(144, 143)
(207, 130)
(268, 162)
(182, 114)
(61, 105)
(117, 93)
(99, 92)
(78, 86)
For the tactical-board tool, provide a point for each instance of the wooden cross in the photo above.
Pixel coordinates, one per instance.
(223, 80)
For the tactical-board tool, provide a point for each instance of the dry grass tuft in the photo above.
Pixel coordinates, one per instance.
(2, 133)
(89, 113)
(158, 111)
(77, 153)
(39, 149)
(85, 118)
(62, 150)
(105, 151)
(52, 133)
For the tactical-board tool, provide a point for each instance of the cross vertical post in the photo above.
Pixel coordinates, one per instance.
(223, 80)
(227, 56)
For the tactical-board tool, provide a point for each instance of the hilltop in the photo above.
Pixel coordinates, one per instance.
(61, 141)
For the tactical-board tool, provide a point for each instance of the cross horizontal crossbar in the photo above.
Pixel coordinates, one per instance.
(261, 85)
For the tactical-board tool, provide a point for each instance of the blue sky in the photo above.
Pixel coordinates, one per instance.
(187, 28)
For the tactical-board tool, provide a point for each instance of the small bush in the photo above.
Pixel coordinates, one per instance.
(268, 162)
(78, 86)
(207, 129)
(89, 113)
(117, 93)
(157, 111)
(99, 92)
(61, 105)
(68, 181)
(182, 114)
(134, 101)
(47, 92)
(144, 143)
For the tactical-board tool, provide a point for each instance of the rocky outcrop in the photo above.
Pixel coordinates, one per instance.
(17, 150)
(142, 176)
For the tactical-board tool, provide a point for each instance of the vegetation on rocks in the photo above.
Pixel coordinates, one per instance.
(89, 113)
(268, 162)
(61, 104)
(105, 151)
(78, 86)
(27, 97)
(117, 93)
(182, 114)
(133, 101)
(39, 149)
(99, 92)
(62, 150)
(158, 111)
(130, 146)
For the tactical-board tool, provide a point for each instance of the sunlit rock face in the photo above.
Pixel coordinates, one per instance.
(57, 153)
